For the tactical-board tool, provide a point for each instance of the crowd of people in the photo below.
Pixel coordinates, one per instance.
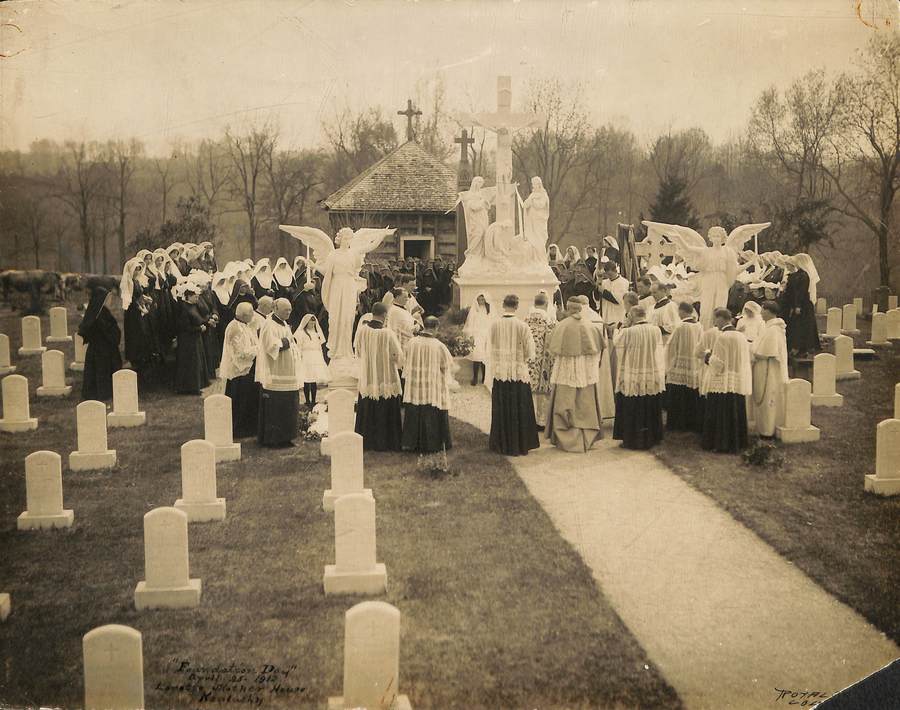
(262, 329)
(599, 347)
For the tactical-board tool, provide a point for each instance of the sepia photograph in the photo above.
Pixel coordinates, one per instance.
(449, 354)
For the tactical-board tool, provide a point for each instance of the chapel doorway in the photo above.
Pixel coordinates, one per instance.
(417, 247)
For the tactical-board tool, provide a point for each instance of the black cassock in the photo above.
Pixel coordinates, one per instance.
(802, 331)
(101, 336)
(244, 392)
(190, 360)
(208, 338)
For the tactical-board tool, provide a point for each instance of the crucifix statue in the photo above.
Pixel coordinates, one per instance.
(503, 123)
(409, 113)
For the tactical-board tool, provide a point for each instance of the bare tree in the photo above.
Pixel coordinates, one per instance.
(866, 167)
(121, 163)
(291, 177)
(358, 140)
(168, 178)
(248, 152)
(208, 173)
(683, 155)
(80, 180)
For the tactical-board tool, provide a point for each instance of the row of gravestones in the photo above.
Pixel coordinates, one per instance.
(829, 368)
(114, 664)
(166, 557)
(822, 305)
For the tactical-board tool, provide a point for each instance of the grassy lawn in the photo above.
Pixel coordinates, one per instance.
(498, 611)
(813, 509)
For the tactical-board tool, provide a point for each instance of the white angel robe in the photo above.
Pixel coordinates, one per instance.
(718, 269)
(770, 375)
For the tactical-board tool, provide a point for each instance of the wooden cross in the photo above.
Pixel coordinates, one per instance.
(464, 143)
(654, 247)
(409, 113)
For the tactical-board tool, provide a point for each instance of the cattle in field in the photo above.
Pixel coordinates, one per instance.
(37, 283)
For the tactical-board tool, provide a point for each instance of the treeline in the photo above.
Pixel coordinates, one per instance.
(820, 160)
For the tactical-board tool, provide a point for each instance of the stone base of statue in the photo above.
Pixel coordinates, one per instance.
(343, 373)
(497, 277)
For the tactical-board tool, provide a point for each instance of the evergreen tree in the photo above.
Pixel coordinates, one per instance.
(673, 206)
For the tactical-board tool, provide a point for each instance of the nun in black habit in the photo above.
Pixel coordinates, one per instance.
(101, 335)
(190, 361)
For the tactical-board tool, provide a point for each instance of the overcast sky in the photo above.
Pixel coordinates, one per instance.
(167, 69)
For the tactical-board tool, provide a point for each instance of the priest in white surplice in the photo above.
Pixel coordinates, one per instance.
(684, 411)
(640, 383)
(770, 370)
(278, 372)
(378, 415)
(730, 381)
(240, 348)
(574, 418)
(510, 347)
(428, 367)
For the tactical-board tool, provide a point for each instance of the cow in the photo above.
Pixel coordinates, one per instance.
(37, 283)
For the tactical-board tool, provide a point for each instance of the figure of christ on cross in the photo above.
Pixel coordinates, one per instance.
(409, 113)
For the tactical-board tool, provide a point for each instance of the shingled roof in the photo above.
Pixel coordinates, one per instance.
(408, 180)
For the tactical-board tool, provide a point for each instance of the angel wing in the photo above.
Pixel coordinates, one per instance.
(365, 240)
(682, 236)
(314, 238)
(740, 235)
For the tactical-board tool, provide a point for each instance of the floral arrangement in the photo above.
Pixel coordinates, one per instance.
(312, 422)
(435, 465)
(763, 453)
(458, 345)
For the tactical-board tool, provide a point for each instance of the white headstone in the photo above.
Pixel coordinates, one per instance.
(797, 427)
(168, 583)
(80, 349)
(346, 468)
(125, 401)
(879, 330)
(886, 480)
(821, 306)
(893, 324)
(897, 401)
(371, 659)
(198, 483)
(355, 570)
(113, 668)
(874, 308)
(824, 393)
(892, 302)
(341, 416)
(843, 353)
(5, 606)
(43, 493)
(31, 336)
(92, 450)
(53, 371)
(217, 425)
(16, 410)
(859, 305)
(848, 320)
(833, 323)
(59, 326)
(6, 366)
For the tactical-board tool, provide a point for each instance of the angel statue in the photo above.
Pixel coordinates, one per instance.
(717, 264)
(341, 282)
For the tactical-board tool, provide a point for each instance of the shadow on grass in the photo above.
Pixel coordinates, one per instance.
(498, 611)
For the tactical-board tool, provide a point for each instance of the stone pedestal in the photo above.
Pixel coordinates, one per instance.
(53, 375)
(217, 427)
(125, 401)
(495, 288)
(92, 450)
(341, 415)
(6, 366)
(797, 427)
(886, 480)
(59, 326)
(16, 408)
(43, 493)
(31, 336)
(346, 468)
(167, 583)
(77, 364)
(355, 570)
